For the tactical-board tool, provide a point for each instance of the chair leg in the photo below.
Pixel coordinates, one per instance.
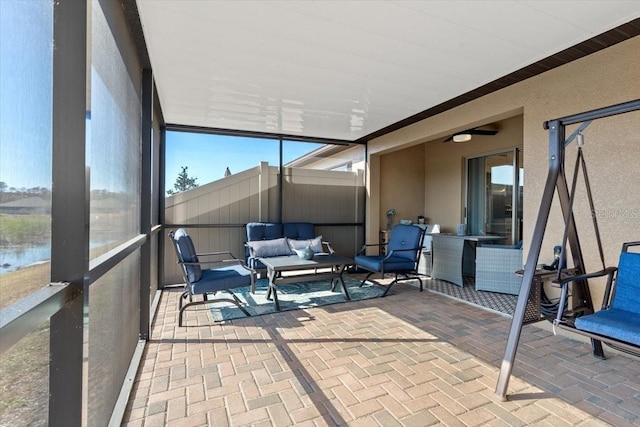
(387, 289)
(395, 280)
(233, 300)
(182, 298)
(419, 280)
(366, 278)
(180, 317)
(238, 303)
(596, 349)
(413, 276)
(406, 277)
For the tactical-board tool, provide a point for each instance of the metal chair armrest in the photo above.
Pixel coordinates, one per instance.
(366, 245)
(329, 247)
(217, 253)
(404, 250)
(627, 245)
(220, 261)
(400, 250)
(251, 254)
(606, 272)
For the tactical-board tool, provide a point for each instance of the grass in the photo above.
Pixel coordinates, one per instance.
(18, 284)
(24, 369)
(24, 381)
(24, 229)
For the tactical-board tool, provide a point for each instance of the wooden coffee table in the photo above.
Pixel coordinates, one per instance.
(282, 264)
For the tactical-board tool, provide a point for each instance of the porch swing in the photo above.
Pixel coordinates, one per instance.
(618, 322)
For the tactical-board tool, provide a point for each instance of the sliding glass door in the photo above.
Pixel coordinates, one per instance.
(494, 195)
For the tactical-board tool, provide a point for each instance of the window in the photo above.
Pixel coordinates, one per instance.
(208, 158)
(26, 32)
(324, 184)
(26, 93)
(113, 150)
(113, 142)
(217, 183)
(494, 195)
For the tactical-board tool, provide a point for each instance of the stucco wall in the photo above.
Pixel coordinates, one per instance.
(445, 170)
(428, 179)
(402, 185)
(612, 148)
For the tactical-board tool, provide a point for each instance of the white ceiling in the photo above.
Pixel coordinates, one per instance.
(345, 69)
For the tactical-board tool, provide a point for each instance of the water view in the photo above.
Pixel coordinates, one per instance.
(12, 259)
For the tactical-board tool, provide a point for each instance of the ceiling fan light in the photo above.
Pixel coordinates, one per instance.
(462, 137)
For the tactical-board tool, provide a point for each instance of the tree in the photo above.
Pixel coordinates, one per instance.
(183, 182)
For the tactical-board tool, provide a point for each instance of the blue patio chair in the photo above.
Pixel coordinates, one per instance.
(618, 321)
(229, 274)
(403, 254)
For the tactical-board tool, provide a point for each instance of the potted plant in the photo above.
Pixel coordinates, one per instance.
(390, 214)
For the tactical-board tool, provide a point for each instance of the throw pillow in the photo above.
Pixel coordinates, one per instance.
(315, 244)
(269, 248)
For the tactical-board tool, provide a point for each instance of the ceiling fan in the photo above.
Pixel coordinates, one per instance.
(466, 135)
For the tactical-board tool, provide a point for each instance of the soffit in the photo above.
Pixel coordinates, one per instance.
(350, 70)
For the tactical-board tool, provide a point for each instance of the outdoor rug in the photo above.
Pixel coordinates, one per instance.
(500, 303)
(292, 296)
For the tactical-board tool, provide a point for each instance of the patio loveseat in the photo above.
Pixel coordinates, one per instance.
(269, 239)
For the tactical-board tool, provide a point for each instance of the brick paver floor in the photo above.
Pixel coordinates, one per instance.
(409, 359)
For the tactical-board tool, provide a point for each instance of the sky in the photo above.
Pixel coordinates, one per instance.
(208, 156)
(26, 29)
(504, 175)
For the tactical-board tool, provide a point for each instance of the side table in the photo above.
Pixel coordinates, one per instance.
(533, 312)
(385, 235)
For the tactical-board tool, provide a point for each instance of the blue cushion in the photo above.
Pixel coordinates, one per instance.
(394, 263)
(263, 231)
(298, 230)
(257, 231)
(405, 237)
(187, 253)
(627, 289)
(619, 324)
(216, 279)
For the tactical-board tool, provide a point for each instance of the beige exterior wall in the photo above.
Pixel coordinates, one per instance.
(402, 184)
(444, 183)
(612, 150)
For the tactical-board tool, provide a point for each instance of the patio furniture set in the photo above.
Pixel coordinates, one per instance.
(281, 250)
(290, 252)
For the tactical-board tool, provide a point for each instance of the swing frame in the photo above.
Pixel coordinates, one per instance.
(556, 181)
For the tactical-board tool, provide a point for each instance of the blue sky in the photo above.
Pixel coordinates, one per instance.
(207, 156)
(504, 175)
(25, 92)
